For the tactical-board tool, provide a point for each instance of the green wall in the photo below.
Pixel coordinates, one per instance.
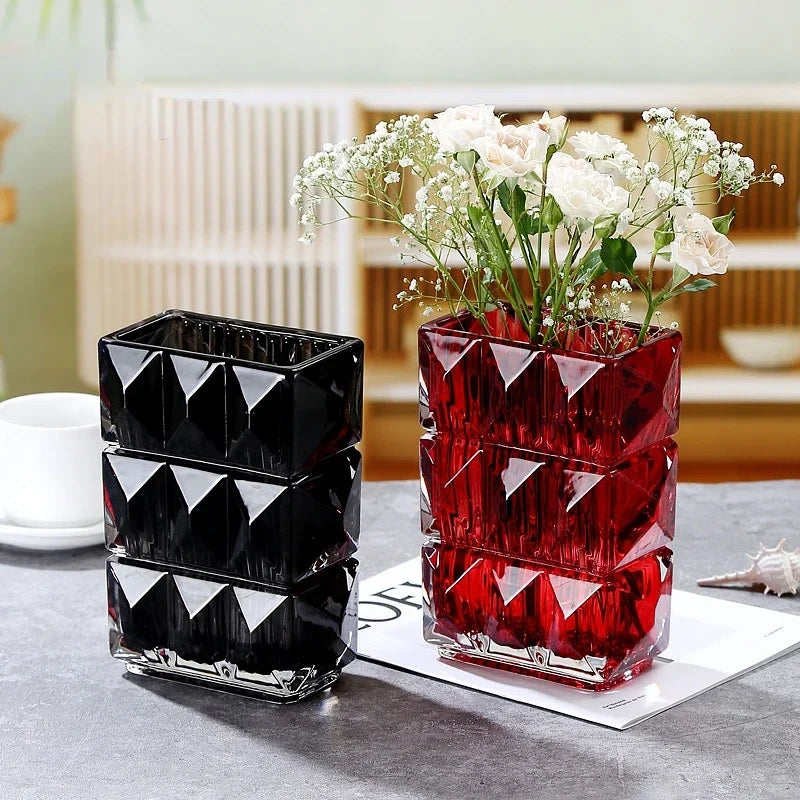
(252, 41)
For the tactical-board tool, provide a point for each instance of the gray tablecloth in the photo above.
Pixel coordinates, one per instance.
(73, 724)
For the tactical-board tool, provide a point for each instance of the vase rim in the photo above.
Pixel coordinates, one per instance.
(440, 325)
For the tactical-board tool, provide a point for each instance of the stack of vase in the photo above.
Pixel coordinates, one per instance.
(232, 502)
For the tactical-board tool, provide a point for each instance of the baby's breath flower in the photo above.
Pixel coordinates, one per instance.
(392, 177)
(306, 238)
(778, 179)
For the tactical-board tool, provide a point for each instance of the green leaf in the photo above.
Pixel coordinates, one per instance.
(504, 196)
(605, 225)
(530, 225)
(477, 216)
(618, 255)
(700, 285)
(679, 275)
(467, 160)
(592, 267)
(723, 224)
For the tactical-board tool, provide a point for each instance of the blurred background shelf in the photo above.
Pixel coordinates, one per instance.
(182, 202)
(722, 384)
(773, 253)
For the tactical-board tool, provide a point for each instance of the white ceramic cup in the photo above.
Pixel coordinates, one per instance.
(50, 466)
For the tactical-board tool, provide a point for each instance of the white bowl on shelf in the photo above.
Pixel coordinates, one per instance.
(762, 346)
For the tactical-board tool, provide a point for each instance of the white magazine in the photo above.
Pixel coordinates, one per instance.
(711, 641)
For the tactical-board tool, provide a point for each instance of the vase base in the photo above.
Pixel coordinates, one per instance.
(591, 673)
(279, 686)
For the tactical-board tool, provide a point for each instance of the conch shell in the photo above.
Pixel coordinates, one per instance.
(773, 568)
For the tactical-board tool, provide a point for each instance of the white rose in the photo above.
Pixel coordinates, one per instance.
(591, 145)
(608, 155)
(513, 151)
(698, 247)
(456, 129)
(580, 191)
(554, 127)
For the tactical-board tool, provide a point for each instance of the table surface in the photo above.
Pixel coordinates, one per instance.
(73, 724)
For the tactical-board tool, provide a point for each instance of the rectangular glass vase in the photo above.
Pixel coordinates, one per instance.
(232, 493)
(548, 482)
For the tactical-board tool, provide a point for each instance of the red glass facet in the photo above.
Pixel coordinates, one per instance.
(547, 473)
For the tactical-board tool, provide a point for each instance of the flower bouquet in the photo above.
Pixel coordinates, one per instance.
(548, 468)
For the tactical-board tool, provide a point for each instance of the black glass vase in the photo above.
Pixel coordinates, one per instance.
(232, 502)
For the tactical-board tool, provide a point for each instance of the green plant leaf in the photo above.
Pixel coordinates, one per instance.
(679, 275)
(530, 225)
(700, 285)
(504, 196)
(723, 224)
(477, 216)
(467, 160)
(592, 268)
(618, 255)
(518, 202)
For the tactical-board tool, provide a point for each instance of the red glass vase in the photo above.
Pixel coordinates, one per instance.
(547, 498)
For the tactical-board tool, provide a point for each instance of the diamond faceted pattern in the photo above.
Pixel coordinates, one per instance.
(450, 366)
(131, 398)
(251, 627)
(532, 505)
(256, 401)
(538, 615)
(452, 476)
(548, 497)
(138, 607)
(197, 500)
(573, 404)
(327, 407)
(274, 399)
(135, 503)
(234, 512)
(259, 527)
(256, 605)
(196, 593)
(194, 407)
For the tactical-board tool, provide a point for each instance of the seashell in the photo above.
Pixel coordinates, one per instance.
(774, 568)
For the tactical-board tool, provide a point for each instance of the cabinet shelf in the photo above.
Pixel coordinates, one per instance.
(707, 385)
(750, 253)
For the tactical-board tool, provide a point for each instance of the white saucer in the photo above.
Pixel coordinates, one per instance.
(50, 538)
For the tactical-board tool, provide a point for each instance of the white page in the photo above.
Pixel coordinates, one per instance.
(711, 642)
